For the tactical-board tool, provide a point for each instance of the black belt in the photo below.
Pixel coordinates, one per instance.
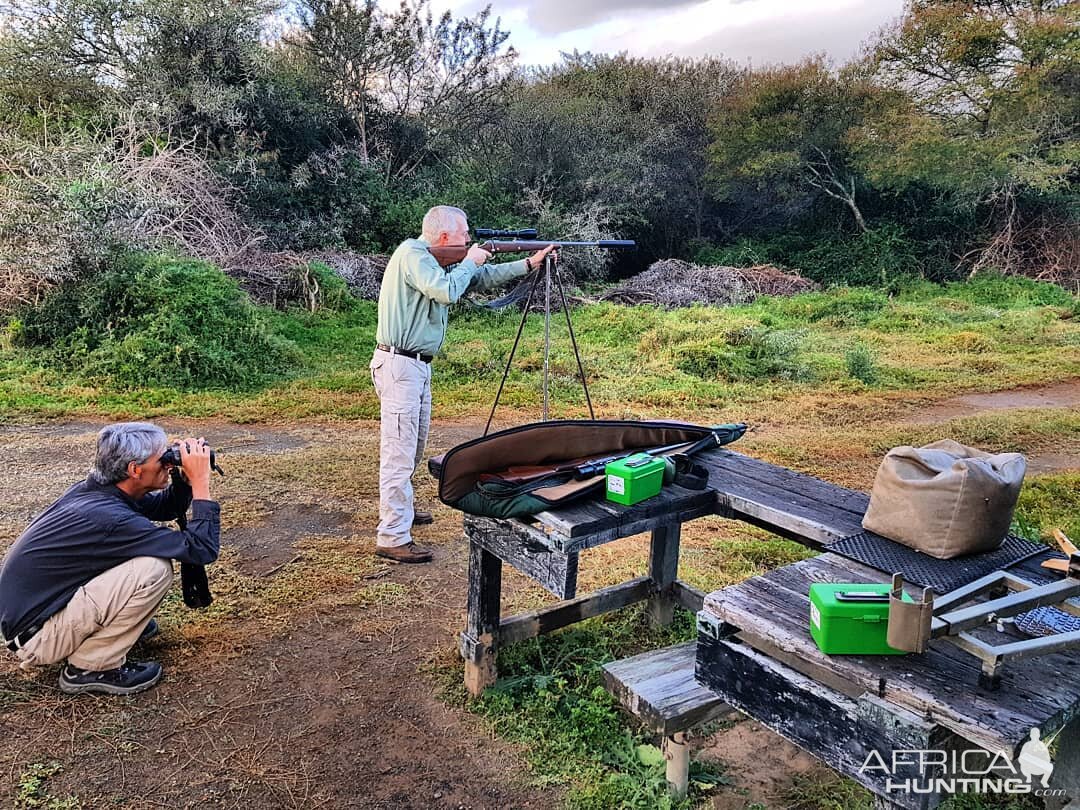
(424, 358)
(23, 638)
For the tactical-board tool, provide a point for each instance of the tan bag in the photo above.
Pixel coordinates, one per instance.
(945, 499)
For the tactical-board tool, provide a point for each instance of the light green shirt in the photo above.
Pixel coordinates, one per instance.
(416, 295)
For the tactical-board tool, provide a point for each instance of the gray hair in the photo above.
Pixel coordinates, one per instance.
(120, 444)
(440, 219)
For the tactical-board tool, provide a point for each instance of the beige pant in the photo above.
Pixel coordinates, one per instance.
(404, 389)
(103, 619)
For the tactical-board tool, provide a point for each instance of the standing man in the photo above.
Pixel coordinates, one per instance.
(83, 581)
(414, 300)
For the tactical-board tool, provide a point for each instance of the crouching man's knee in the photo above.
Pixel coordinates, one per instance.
(153, 574)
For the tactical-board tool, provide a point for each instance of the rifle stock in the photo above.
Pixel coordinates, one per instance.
(589, 466)
(447, 255)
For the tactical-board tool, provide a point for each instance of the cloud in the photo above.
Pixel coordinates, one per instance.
(559, 16)
(783, 36)
(755, 31)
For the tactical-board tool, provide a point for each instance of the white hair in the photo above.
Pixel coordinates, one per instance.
(440, 219)
(122, 443)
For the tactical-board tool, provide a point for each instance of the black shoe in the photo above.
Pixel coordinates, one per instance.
(422, 517)
(126, 679)
(149, 631)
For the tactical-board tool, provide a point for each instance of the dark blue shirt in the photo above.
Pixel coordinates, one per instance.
(90, 529)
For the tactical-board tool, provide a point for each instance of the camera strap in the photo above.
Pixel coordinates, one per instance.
(194, 586)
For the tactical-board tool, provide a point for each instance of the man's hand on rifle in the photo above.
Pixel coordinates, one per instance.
(537, 258)
(478, 255)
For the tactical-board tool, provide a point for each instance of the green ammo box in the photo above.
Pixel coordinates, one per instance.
(851, 619)
(632, 479)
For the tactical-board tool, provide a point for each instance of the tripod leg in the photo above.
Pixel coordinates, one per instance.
(573, 342)
(510, 359)
(548, 263)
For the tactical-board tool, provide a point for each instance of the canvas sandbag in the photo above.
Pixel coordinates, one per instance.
(945, 499)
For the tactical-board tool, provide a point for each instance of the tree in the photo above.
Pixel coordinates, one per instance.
(992, 120)
(345, 44)
(783, 137)
(445, 79)
(617, 141)
(188, 63)
(415, 85)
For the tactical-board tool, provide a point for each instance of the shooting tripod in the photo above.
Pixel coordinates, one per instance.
(550, 269)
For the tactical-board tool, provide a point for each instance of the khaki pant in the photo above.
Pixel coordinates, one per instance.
(103, 619)
(404, 389)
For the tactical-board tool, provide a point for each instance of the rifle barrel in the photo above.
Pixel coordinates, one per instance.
(516, 245)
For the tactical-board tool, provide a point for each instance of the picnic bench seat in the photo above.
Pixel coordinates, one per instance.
(659, 688)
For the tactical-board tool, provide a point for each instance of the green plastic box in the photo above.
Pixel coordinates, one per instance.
(632, 479)
(851, 618)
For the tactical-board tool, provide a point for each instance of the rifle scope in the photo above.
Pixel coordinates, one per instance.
(497, 233)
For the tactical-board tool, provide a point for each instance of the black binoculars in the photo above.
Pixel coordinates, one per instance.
(497, 233)
(172, 456)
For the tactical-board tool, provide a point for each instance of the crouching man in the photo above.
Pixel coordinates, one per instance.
(84, 579)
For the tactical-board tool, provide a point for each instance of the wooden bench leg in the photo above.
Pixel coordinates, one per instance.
(663, 570)
(677, 754)
(481, 637)
(1066, 776)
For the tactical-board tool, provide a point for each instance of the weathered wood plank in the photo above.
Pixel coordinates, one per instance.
(792, 504)
(478, 642)
(816, 532)
(1066, 774)
(555, 570)
(664, 569)
(660, 689)
(763, 474)
(688, 596)
(631, 524)
(529, 625)
(535, 537)
(599, 517)
(827, 724)
(485, 587)
(773, 610)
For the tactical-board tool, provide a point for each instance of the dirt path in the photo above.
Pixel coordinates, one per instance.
(309, 683)
(327, 705)
(1059, 395)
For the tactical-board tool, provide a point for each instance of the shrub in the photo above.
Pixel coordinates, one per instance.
(749, 353)
(151, 320)
(873, 258)
(860, 364)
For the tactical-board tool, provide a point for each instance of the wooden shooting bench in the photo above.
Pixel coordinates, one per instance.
(754, 650)
(547, 549)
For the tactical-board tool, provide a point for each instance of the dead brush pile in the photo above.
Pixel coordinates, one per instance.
(362, 274)
(672, 283)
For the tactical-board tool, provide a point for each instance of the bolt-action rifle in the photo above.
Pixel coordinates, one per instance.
(588, 467)
(452, 254)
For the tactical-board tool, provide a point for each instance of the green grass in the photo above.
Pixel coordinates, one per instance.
(550, 699)
(826, 375)
(711, 362)
(32, 790)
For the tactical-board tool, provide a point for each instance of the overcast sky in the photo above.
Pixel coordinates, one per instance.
(747, 31)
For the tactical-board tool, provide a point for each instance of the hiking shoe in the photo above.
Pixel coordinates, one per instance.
(149, 631)
(421, 517)
(126, 679)
(408, 553)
